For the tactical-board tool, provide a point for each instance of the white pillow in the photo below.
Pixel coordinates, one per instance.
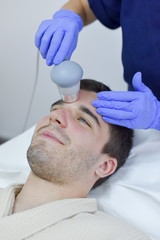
(14, 167)
(133, 193)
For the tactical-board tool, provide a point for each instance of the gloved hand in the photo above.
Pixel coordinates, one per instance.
(139, 109)
(57, 38)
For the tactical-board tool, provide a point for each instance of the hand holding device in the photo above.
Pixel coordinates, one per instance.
(57, 38)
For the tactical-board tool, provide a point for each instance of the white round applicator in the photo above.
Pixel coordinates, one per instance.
(67, 76)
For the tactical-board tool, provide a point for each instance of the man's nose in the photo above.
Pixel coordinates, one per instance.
(59, 117)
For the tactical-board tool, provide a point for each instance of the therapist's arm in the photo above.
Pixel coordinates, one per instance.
(81, 7)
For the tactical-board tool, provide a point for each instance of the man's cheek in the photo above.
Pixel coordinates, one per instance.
(43, 122)
(81, 136)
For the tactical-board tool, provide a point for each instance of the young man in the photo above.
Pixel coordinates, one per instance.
(71, 150)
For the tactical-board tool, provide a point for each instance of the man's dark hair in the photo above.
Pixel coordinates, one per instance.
(121, 138)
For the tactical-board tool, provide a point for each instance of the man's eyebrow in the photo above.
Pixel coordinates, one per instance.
(59, 102)
(86, 110)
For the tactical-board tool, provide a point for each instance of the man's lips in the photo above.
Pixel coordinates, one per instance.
(51, 136)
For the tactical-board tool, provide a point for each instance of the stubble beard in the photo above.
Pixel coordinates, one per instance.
(59, 166)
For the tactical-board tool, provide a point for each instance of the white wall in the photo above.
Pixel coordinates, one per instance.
(98, 52)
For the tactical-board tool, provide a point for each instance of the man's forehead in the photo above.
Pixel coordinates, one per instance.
(85, 97)
(88, 96)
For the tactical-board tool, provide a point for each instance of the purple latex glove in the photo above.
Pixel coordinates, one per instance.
(57, 38)
(136, 110)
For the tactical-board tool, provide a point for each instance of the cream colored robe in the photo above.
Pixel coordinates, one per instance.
(69, 219)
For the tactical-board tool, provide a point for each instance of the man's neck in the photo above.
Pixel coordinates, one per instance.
(37, 191)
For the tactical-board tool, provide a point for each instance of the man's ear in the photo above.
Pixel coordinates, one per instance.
(106, 167)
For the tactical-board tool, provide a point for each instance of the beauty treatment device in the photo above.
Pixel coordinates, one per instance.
(67, 76)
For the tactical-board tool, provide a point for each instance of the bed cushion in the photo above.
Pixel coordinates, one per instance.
(13, 162)
(133, 193)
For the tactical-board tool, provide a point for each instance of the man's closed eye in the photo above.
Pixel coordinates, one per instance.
(83, 121)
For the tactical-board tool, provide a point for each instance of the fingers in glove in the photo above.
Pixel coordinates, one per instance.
(117, 95)
(112, 104)
(40, 32)
(47, 38)
(65, 47)
(54, 46)
(138, 84)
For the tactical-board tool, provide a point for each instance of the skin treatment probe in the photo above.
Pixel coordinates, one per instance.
(67, 76)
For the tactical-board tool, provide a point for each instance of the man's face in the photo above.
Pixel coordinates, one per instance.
(68, 143)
